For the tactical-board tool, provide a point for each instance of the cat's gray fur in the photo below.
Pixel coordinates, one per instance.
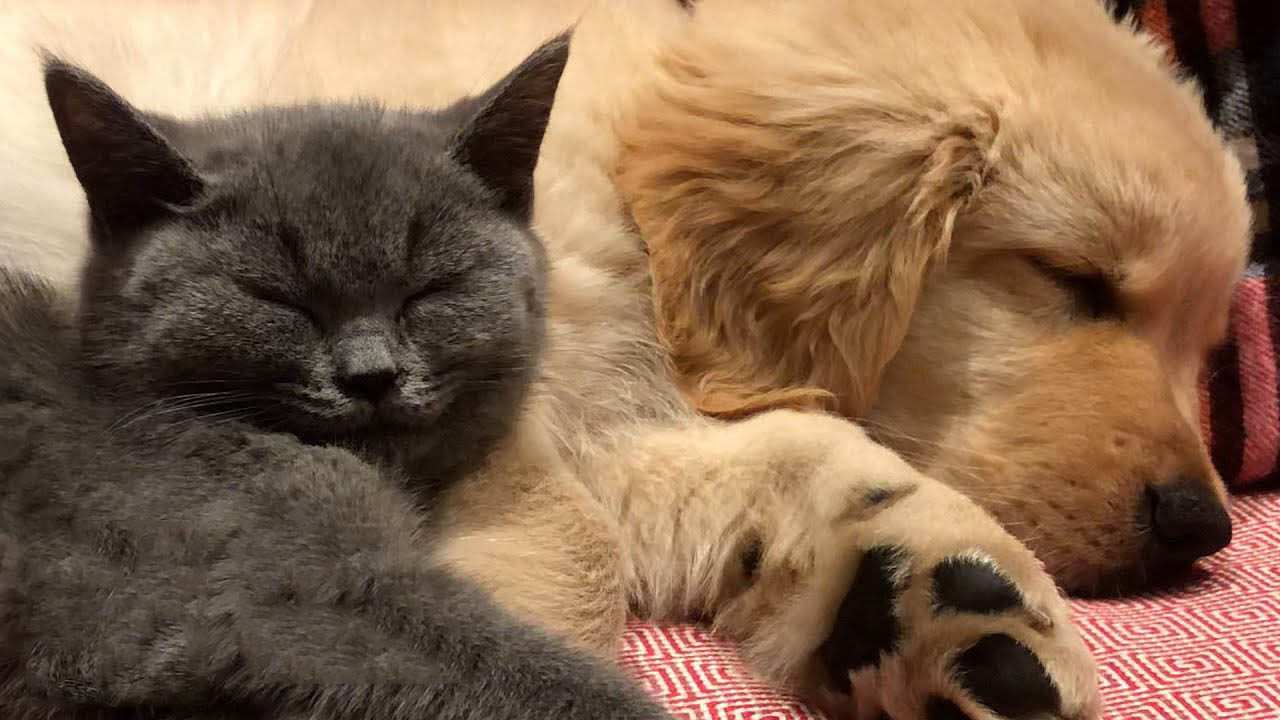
(360, 278)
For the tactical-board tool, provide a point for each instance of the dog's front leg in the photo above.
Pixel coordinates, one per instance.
(547, 551)
(847, 575)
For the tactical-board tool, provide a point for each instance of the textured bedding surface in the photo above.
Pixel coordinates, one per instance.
(1210, 650)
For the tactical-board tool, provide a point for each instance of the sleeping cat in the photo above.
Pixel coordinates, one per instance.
(215, 477)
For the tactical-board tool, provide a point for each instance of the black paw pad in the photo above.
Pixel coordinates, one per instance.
(1007, 678)
(865, 624)
(940, 708)
(968, 585)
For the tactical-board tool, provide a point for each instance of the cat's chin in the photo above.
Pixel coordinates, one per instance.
(373, 434)
(357, 420)
(357, 435)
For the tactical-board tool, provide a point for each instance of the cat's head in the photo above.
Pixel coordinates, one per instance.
(347, 273)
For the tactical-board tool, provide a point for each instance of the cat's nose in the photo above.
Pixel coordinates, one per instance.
(372, 386)
(365, 367)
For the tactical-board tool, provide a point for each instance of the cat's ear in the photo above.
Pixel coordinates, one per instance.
(501, 141)
(130, 174)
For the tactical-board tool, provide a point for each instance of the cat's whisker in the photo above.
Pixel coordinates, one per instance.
(171, 404)
(482, 383)
(206, 382)
(211, 420)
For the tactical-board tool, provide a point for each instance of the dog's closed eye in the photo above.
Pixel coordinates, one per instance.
(1093, 293)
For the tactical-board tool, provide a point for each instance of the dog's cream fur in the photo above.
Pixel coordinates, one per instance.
(615, 492)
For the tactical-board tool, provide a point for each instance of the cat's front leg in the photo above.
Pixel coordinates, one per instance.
(304, 588)
(846, 575)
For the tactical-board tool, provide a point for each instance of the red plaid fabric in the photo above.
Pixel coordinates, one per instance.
(1209, 652)
(1232, 49)
(1239, 404)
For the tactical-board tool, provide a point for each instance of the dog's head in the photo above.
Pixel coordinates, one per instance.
(1000, 233)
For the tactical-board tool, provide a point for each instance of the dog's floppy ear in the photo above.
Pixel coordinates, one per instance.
(790, 232)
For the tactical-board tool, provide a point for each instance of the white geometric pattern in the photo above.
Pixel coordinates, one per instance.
(1209, 651)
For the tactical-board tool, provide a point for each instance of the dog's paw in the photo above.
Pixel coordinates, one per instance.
(877, 593)
(958, 638)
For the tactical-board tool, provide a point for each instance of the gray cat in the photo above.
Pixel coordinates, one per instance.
(362, 281)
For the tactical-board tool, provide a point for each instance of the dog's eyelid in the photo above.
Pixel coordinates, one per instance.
(1070, 270)
(1096, 291)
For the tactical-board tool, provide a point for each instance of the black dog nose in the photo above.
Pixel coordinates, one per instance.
(372, 385)
(1187, 520)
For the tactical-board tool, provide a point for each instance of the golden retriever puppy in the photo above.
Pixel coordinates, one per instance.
(1000, 233)
(847, 575)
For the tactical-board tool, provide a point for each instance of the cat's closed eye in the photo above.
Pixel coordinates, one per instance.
(431, 289)
(279, 300)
